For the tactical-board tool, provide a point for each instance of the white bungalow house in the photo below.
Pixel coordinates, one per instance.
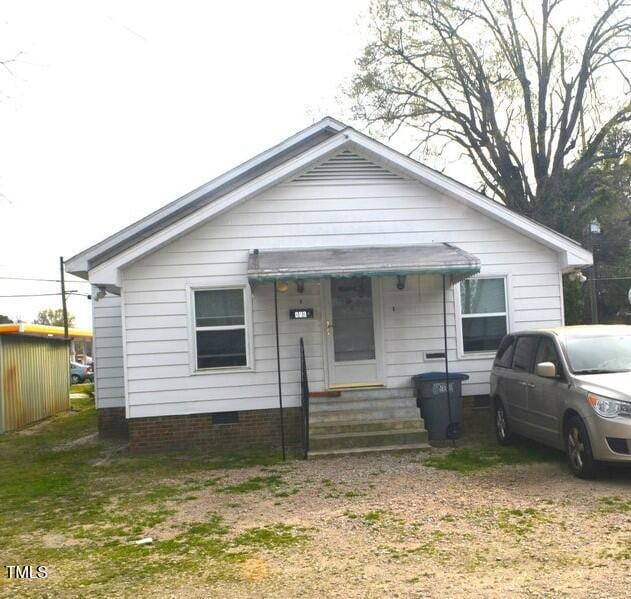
(374, 260)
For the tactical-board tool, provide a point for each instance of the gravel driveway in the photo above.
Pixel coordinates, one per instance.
(498, 522)
(389, 526)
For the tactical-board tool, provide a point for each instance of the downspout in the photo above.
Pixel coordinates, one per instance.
(280, 387)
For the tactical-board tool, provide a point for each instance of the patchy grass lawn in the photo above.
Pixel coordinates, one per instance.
(86, 388)
(76, 505)
(467, 460)
(474, 521)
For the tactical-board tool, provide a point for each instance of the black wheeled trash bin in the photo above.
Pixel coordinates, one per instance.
(431, 397)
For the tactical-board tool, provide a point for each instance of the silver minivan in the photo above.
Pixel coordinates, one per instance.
(568, 387)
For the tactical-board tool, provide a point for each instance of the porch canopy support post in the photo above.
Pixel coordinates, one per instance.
(280, 386)
(449, 426)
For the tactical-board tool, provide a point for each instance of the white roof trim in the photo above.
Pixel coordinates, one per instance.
(579, 255)
(79, 263)
(573, 256)
(108, 273)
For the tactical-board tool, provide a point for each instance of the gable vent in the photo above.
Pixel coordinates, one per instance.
(347, 165)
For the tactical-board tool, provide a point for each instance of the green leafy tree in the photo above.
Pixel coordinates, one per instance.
(53, 317)
(5, 319)
(609, 188)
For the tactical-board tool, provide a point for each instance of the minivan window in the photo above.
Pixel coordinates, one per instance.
(547, 353)
(525, 353)
(504, 357)
(599, 354)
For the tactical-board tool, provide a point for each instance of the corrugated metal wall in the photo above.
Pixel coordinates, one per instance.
(34, 380)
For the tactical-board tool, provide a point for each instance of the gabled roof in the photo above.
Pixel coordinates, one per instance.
(261, 163)
(287, 159)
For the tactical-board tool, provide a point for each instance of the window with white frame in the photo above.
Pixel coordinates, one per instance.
(220, 328)
(483, 313)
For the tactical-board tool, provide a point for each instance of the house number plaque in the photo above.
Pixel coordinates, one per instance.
(300, 313)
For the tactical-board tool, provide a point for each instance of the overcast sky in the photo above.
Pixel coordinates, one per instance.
(112, 109)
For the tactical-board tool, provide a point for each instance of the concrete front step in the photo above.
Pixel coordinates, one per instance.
(360, 450)
(361, 403)
(379, 393)
(368, 415)
(358, 426)
(372, 394)
(363, 420)
(367, 439)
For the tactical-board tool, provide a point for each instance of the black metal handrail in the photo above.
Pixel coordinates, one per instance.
(304, 399)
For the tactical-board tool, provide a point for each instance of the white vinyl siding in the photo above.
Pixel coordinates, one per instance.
(108, 351)
(311, 214)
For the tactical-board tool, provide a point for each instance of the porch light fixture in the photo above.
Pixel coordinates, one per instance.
(282, 287)
(400, 282)
(300, 286)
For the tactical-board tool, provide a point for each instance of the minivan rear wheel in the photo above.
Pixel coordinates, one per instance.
(579, 449)
(502, 429)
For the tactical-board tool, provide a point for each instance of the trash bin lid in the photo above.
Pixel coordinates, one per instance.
(440, 376)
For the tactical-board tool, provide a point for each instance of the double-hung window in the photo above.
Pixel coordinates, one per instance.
(220, 328)
(483, 314)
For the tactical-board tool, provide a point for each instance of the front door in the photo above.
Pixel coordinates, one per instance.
(353, 331)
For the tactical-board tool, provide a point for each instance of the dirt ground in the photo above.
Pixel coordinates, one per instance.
(508, 524)
(387, 526)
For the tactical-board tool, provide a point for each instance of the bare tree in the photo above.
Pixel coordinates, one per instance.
(7, 62)
(529, 92)
(5, 66)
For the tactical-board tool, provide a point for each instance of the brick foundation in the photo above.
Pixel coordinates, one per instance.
(255, 429)
(112, 423)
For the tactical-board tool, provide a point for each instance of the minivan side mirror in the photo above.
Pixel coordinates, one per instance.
(546, 369)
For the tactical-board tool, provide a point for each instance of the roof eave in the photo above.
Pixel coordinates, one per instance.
(312, 136)
(572, 255)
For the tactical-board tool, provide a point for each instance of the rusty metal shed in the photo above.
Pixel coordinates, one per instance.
(34, 379)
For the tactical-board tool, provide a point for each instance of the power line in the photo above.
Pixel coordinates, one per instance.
(612, 279)
(31, 295)
(42, 280)
(74, 292)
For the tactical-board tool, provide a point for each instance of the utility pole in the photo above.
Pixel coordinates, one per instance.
(63, 296)
(593, 296)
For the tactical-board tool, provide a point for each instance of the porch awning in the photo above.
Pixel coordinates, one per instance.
(374, 261)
